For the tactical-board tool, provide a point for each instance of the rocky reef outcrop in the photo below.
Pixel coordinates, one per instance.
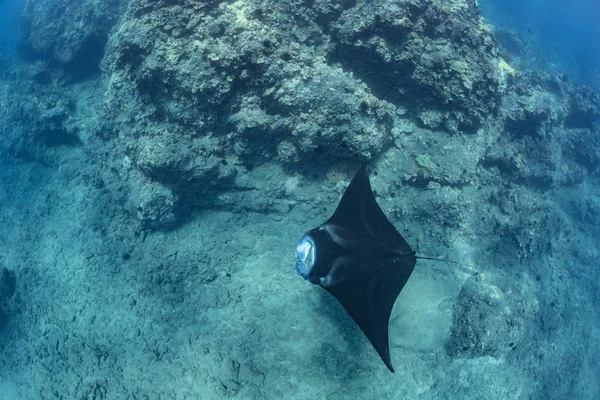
(196, 94)
(70, 35)
(486, 322)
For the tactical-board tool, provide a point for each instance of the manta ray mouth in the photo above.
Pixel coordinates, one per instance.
(305, 253)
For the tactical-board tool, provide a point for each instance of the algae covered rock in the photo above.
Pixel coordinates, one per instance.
(436, 57)
(200, 93)
(155, 206)
(70, 33)
(483, 323)
(244, 78)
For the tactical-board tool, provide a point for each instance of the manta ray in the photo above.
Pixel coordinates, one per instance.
(360, 258)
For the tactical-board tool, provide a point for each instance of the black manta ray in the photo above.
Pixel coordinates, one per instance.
(360, 258)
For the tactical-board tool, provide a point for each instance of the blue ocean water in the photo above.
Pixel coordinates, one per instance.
(564, 33)
(9, 27)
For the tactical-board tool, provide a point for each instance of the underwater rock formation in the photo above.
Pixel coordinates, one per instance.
(548, 133)
(197, 94)
(438, 59)
(69, 34)
(483, 322)
(237, 84)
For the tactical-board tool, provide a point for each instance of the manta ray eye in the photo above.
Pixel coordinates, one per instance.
(305, 253)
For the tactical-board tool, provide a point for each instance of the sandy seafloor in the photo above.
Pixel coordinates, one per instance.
(111, 304)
